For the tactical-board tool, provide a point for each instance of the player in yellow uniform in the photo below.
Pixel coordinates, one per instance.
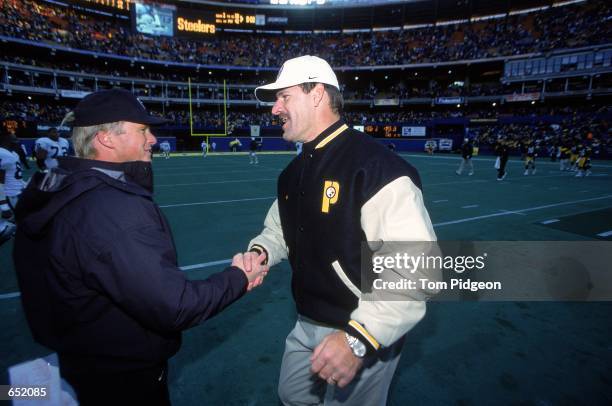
(530, 156)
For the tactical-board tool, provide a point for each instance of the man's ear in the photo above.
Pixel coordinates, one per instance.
(317, 93)
(105, 139)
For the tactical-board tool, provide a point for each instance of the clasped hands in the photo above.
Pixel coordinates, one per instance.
(252, 265)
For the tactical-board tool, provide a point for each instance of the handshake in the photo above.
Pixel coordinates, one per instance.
(252, 265)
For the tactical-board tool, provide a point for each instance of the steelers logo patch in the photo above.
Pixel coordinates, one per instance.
(330, 192)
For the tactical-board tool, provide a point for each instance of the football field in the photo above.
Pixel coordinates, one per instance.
(461, 353)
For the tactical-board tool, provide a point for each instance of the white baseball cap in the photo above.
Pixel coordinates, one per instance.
(303, 69)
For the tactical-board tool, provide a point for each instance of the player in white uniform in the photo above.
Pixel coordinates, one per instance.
(165, 149)
(204, 146)
(11, 179)
(49, 148)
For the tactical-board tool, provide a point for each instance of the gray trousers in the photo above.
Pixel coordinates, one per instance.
(298, 386)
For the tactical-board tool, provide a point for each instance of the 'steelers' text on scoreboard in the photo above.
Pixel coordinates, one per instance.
(183, 24)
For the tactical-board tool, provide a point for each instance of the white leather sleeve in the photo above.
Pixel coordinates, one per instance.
(271, 238)
(395, 214)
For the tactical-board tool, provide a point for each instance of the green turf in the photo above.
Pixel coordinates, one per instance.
(461, 353)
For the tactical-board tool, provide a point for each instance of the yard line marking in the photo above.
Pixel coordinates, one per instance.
(440, 201)
(217, 202)
(217, 182)
(206, 264)
(13, 295)
(605, 234)
(205, 172)
(455, 182)
(470, 206)
(547, 206)
(511, 212)
(550, 221)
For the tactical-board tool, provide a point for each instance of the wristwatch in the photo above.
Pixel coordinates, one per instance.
(358, 348)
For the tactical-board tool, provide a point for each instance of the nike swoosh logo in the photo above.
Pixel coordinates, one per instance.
(311, 77)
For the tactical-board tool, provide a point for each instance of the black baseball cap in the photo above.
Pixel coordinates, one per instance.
(109, 106)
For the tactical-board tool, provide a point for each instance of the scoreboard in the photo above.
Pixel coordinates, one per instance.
(383, 131)
(394, 131)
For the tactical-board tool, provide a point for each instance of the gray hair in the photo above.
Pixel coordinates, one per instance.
(82, 137)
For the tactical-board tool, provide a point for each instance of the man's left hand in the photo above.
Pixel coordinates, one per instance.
(334, 361)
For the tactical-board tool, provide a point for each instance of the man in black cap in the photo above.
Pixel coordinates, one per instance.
(97, 265)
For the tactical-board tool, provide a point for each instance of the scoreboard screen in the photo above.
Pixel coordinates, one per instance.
(153, 19)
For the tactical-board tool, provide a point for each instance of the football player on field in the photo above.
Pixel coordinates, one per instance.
(11, 178)
(49, 148)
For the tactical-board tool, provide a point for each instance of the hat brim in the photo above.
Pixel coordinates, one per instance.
(267, 93)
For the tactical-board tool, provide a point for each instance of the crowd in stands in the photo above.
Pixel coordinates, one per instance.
(210, 88)
(558, 27)
(592, 129)
(53, 113)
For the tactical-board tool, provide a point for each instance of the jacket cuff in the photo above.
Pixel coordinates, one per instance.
(238, 277)
(357, 330)
(259, 250)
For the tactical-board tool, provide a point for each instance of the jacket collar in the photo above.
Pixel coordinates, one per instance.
(327, 136)
(137, 172)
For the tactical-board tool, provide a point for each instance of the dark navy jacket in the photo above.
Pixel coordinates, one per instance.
(98, 272)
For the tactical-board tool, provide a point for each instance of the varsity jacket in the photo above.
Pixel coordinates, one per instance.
(345, 189)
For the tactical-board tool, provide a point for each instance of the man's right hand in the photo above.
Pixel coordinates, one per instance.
(251, 264)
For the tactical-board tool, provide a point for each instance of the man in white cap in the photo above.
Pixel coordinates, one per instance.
(343, 190)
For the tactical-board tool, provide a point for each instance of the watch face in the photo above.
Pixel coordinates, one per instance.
(359, 349)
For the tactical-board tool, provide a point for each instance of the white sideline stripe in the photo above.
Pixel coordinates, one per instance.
(547, 206)
(550, 221)
(505, 213)
(605, 234)
(218, 182)
(217, 202)
(470, 206)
